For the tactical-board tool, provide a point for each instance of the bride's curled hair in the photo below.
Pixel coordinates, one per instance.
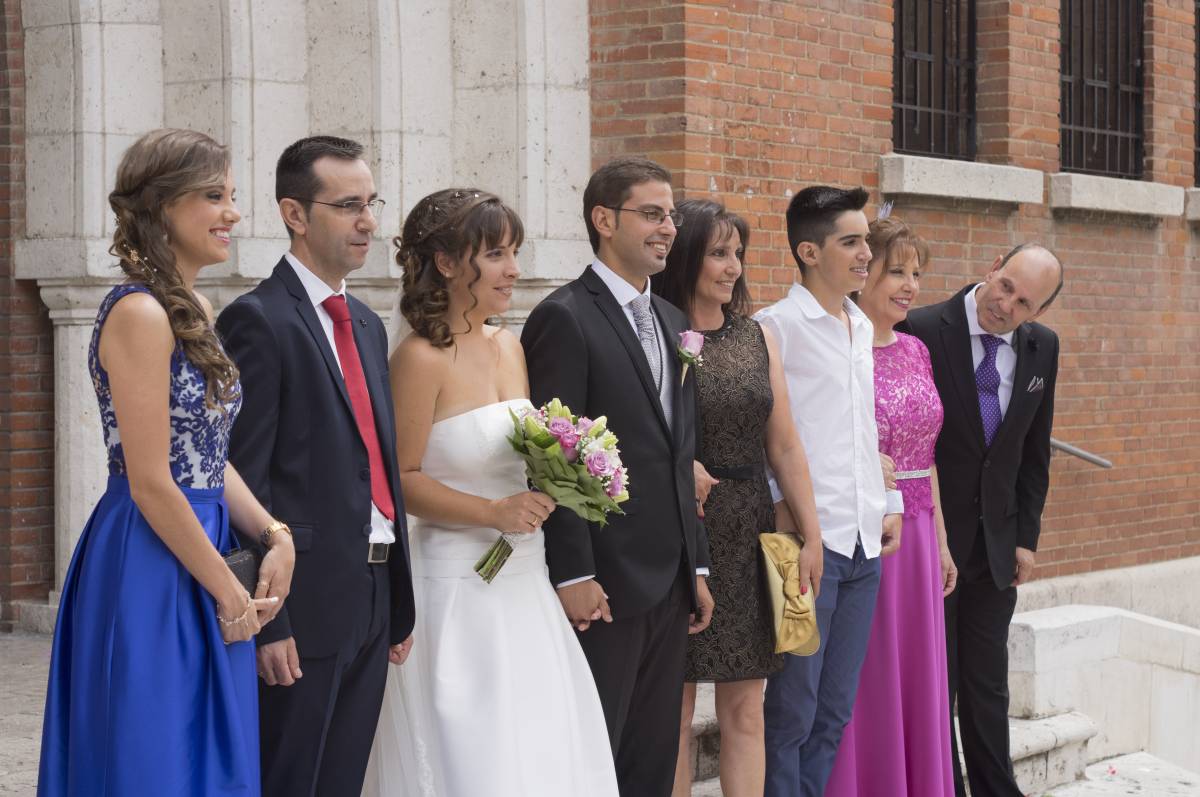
(159, 168)
(459, 223)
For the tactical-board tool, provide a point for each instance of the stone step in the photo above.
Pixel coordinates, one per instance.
(37, 617)
(1134, 774)
(1047, 752)
(706, 738)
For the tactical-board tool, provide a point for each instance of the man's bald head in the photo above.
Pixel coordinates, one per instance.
(1020, 286)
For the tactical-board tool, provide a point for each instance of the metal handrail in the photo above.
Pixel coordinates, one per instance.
(1086, 456)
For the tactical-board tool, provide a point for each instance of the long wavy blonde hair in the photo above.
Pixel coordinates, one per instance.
(160, 167)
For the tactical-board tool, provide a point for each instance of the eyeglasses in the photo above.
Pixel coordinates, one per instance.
(351, 207)
(654, 215)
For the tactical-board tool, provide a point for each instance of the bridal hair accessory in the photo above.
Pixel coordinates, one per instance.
(572, 459)
(690, 344)
(885, 210)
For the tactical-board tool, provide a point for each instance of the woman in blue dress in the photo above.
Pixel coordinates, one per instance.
(152, 681)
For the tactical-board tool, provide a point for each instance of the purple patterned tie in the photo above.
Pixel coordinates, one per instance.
(987, 385)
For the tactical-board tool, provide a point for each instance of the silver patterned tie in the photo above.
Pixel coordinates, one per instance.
(648, 335)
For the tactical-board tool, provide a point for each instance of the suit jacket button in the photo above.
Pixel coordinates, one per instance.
(975, 500)
(365, 474)
(367, 530)
(987, 463)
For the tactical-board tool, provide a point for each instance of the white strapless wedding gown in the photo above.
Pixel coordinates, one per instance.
(496, 697)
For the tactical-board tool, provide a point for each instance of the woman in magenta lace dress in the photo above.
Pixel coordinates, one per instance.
(898, 741)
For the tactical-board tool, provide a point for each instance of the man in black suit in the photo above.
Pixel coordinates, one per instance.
(995, 372)
(605, 345)
(316, 442)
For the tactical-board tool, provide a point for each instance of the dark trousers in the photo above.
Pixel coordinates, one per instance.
(637, 664)
(316, 734)
(977, 618)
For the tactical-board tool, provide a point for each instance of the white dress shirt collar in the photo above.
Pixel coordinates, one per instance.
(617, 285)
(973, 318)
(810, 308)
(314, 286)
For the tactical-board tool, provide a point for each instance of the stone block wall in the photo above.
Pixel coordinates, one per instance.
(750, 101)
(26, 365)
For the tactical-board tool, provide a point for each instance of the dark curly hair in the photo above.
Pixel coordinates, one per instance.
(457, 222)
(159, 168)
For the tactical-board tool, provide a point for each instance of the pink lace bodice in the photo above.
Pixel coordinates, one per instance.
(909, 414)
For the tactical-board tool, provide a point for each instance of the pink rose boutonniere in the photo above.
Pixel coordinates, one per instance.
(690, 344)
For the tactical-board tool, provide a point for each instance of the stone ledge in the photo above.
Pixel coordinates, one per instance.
(953, 179)
(1191, 204)
(1051, 751)
(36, 616)
(1069, 191)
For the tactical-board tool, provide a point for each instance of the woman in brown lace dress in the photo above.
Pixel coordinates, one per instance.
(744, 425)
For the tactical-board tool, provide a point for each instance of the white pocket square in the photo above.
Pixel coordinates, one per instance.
(1035, 384)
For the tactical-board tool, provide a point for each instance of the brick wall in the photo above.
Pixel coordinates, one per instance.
(750, 101)
(26, 365)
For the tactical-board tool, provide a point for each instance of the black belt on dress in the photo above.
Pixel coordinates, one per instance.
(743, 472)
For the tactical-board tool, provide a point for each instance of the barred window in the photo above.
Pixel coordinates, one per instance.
(1101, 76)
(933, 78)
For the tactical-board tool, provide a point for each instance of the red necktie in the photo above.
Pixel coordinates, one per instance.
(360, 399)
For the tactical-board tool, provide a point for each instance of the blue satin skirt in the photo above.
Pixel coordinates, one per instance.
(144, 697)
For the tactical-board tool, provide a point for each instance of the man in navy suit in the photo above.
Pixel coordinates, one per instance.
(995, 371)
(316, 442)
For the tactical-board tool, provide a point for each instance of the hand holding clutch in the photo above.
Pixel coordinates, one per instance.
(793, 612)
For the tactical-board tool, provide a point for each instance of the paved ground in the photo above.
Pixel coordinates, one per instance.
(24, 660)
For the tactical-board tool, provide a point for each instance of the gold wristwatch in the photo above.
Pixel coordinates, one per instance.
(264, 538)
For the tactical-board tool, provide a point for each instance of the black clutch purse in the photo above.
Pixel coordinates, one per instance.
(244, 564)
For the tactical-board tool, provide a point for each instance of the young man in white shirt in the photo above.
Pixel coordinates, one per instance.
(825, 345)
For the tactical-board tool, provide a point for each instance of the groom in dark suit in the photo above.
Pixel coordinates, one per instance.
(995, 371)
(605, 345)
(316, 442)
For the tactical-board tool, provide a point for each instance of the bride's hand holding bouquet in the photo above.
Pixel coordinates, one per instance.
(522, 513)
(571, 461)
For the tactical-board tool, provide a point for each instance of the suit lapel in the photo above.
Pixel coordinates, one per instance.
(956, 340)
(620, 323)
(1022, 375)
(309, 315)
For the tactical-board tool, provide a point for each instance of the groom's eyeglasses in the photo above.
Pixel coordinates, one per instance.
(653, 215)
(351, 207)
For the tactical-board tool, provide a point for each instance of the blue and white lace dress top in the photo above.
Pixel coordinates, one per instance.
(199, 434)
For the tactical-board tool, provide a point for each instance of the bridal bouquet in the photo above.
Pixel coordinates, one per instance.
(573, 460)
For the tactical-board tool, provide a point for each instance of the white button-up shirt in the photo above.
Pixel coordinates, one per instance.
(831, 386)
(382, 529)
(1006, 358)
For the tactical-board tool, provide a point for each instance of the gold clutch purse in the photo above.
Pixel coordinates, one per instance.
(794, 615)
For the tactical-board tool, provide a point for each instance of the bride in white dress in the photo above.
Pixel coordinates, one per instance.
(496, 697)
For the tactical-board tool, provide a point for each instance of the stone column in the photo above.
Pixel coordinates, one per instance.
(94, 84)
(465, 92)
